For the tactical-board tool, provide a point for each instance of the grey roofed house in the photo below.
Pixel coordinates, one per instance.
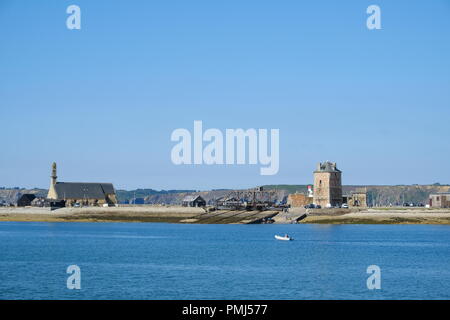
(83, 190)
(194, 201)
(25, 200)
(191, 198)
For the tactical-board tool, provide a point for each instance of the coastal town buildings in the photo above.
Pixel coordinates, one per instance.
(25, 200)
(327, 190)
(297, 200)
(440, 200)
(356, 198)
(81, 193)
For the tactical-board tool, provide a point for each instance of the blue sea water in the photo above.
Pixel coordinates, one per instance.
(177, 261)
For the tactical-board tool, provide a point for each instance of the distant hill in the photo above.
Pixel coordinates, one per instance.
(289, 188)
(10, 196)
(127, 196)
(381, 195)
(376, 195)
(386, 195)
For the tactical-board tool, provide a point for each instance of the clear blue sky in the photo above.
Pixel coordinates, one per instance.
(103, 101)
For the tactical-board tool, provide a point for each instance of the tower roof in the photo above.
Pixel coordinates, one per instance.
(327, 166)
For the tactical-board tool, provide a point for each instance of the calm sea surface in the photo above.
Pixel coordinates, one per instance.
(171, 261)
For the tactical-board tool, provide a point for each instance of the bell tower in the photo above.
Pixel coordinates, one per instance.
(53, 176)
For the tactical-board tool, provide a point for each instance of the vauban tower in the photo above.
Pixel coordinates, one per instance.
(327, 185)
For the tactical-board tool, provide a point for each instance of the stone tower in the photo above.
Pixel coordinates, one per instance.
(51, 191)
(53, 176)
(327, 185)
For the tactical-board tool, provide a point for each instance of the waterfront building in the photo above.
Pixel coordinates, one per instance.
(299, 200)
(439, 200)
(356, 199)
(25, 200)
(194, 201)
(327, 185)
(81, 193)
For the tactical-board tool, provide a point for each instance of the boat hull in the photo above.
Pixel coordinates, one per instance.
(283, 238)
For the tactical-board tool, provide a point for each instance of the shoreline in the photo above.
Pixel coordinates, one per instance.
(385, 216)
(183, 215)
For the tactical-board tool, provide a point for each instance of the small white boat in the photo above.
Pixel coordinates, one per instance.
(283, 238)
